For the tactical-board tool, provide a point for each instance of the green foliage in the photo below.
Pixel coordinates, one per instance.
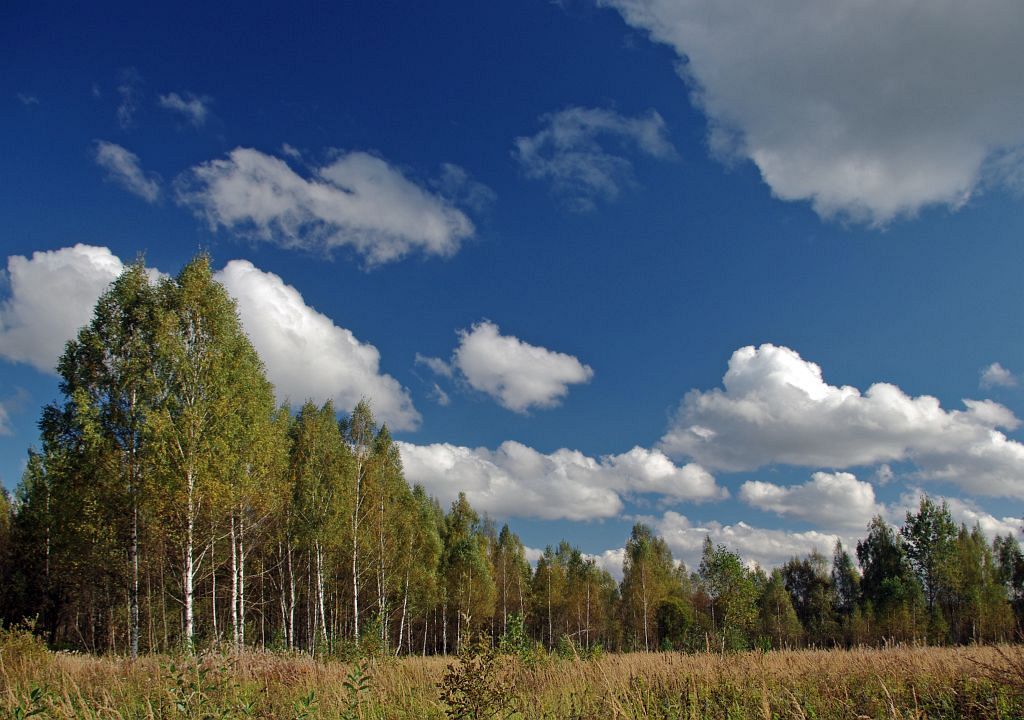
(21, 646)
(779, 625)
(305, 707)
(674, 617)
(34, 705)
(173, 505)
(732, 593)
(929, 539)
(479, 685)
(205, 687)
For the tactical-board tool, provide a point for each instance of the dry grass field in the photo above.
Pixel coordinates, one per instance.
(975, 682)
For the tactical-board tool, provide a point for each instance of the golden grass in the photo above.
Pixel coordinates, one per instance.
(974, 682)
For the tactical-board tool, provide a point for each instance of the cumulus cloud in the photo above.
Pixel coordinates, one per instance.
(358, 201)
(766, 547)
(518, 375)
(776, 408)
(517, 481)
(124, 168)
(826, 500)
(609, 561)
(963, 511)
(995, 375)
(532, 555)
(870, 109)
(308, 356)
(581, 152)
(52, 295)
(192, 108)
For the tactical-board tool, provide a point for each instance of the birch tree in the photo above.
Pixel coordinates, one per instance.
(208, 375)
(108, 371)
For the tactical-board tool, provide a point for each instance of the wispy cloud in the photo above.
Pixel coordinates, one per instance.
(125, 168)
(582, 152)
(128, 92)
(193, 108)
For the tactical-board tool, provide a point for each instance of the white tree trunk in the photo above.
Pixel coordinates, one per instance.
(189, 569)
(320, 591)
(241, 582)
(405, 605)
(234, 585)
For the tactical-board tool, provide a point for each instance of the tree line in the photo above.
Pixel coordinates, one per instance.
(172, 504)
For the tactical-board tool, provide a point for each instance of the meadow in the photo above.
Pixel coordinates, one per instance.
(899, 682)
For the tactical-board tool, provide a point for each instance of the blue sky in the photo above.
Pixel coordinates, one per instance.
(544, 224)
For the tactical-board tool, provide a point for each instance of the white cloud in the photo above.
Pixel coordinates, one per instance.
(517, 481)
(766, 547)
(435, 365)
(456, 185)
(884, 474)
(776, 408)
(963, 511)
(518, 375)
(357, 201)
(610, 561)
(306, 355)
(5, 420)
(52, 295)
(193, 108)
(571, 152)
(532, 555)
(124, 168)
(128, 91)
(995, 375)
(827, 500)
(868, 108)
(27, 100)
(440, 396)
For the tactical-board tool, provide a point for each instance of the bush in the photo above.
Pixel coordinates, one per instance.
(479, 685)
(21, 648)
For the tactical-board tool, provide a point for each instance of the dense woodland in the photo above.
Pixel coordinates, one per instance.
(173, 505)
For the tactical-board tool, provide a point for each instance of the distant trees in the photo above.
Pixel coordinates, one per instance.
(172, 504)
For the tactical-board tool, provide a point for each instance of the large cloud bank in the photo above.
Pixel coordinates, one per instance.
(775, 407)
(517, 481)
(871, 109)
